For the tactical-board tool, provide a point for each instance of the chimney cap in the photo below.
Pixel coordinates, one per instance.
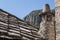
(46, 8)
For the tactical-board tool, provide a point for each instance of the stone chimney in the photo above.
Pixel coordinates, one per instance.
(46, 8)
(46, 30)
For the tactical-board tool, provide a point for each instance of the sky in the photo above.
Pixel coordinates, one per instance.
(21, 8)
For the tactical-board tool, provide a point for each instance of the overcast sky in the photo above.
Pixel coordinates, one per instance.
(21, 8)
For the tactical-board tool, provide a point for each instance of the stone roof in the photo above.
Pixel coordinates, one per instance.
(16, 17)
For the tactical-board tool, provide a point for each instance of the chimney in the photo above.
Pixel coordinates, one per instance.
(46, 8)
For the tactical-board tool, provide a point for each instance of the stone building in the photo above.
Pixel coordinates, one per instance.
(57, 18)
(13, 28)
(47, 28)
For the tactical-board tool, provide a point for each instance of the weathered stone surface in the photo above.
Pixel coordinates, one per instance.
(57, 18)
(57, 3)
(46, 30)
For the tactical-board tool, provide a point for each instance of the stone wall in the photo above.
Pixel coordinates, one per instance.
(57, 18)
(47, 28)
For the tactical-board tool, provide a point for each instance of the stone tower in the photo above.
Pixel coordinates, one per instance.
(57, 18)
(46, 30)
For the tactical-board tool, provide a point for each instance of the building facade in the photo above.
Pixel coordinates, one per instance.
(57, 18)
